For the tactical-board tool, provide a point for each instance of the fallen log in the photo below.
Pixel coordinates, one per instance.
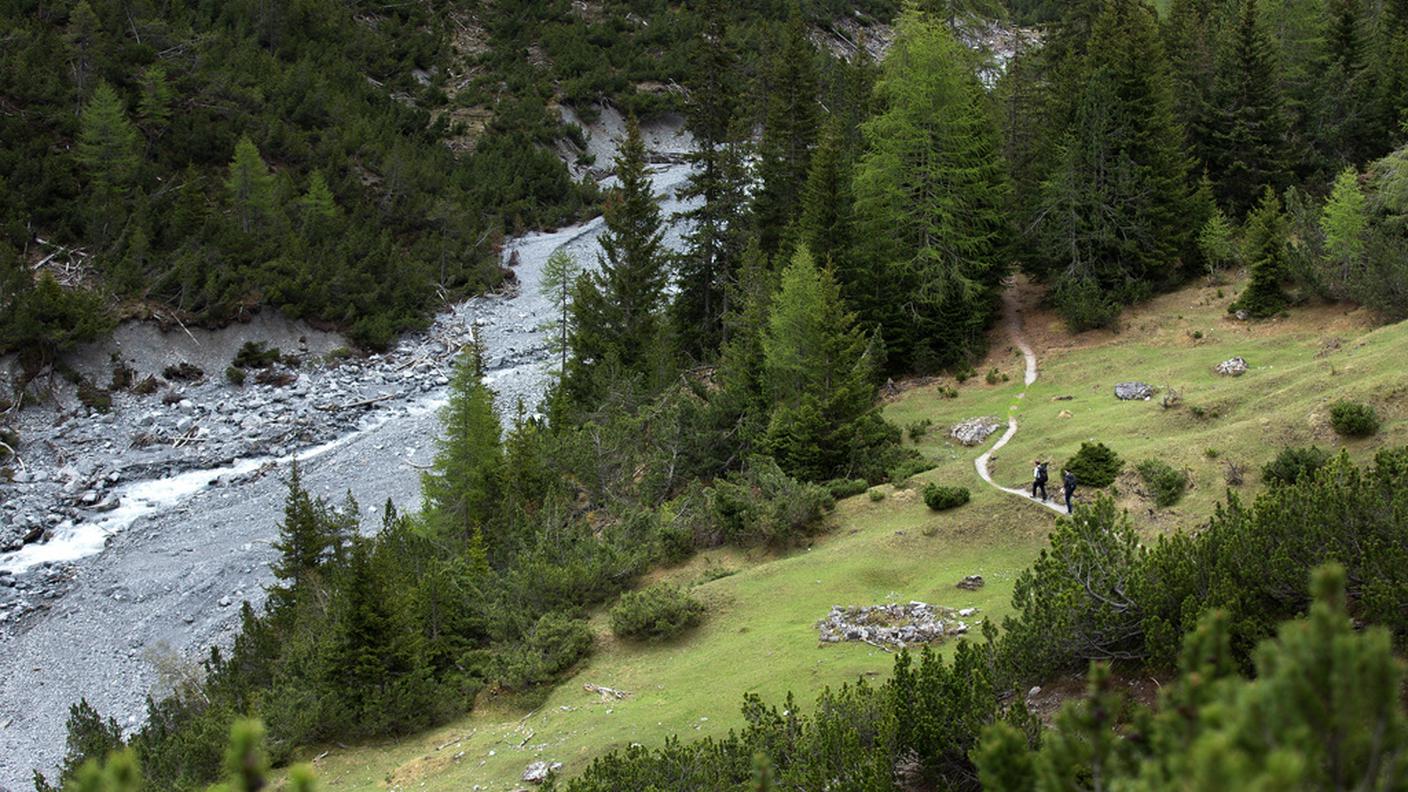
(354, 405)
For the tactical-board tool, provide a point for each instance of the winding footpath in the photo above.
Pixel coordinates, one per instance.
(1014, 328)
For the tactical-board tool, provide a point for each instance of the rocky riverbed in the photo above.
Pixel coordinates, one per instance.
(131, 537)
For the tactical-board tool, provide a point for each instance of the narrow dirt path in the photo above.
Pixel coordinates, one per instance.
(1013, 319)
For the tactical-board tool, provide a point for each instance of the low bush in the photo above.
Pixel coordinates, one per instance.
(1294, 464)
(255, 355)
(657, 613)
(763, 505)
(555, 644)
(1095, 465)
(845, 488)
(183, 371)
(918, 429)
(235, 375)
(909, 468)
(1165, 483)
(93, 397)
(939, 497)
(877, 495)
(1353, 419)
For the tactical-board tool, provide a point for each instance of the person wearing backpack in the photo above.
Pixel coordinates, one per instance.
(1068, 485)
(1039, 479)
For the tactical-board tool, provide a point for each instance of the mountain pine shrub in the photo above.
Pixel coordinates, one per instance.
(1353, 419)
(1166, 483)
(940, 497)
(1095, 465)
(1294, 465)
(657, 613)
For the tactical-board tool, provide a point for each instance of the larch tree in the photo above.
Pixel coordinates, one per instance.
(1343, 222)
(250, 186)
(560, 274)
(107, 140)
(930, 200)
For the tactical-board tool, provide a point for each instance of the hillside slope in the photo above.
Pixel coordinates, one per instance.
(760, 636)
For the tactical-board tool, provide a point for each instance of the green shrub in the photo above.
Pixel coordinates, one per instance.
(93, 397)
(994, 377)
(918, 429)
(762, 505)
(657, 613)
(255, 355)
(877, 495)
(1293, 465)
(1095, 465)
(845, 488)
(909, 469)
(939, 497)
(1084, 305)
(1353, 419)
(554, 644)
(1165, 483)
(235, 375)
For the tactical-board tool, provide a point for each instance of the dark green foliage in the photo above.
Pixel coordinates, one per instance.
(553, 645)
(929, 196)
(845, 488)
(1294, 465)
(657, 613)
(789, 132)
(40, 319)
(90, 738)
(909, 468)
(463, 487)
(940, 498)
(1166, 483)
(1265, 251)
(1095, 465)
(93, 397)
(762, 505)
(1353, 419)
(254, 354)
(235, 375)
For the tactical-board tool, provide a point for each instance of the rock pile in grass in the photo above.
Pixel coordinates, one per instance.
(1235, 367)
(974, 430)
(1134, 391)
(971, 583)
(894, 624)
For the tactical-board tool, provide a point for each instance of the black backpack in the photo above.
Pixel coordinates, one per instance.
(1041, 473)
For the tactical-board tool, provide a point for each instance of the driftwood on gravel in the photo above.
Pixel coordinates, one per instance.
(355, 405)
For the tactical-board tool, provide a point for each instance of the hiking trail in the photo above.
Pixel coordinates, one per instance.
(1013, 320)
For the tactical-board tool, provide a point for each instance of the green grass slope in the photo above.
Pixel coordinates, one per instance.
(760, 634)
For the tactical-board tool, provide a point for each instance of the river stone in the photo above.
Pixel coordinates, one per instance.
(1235, 367)
(973, 431)
(1133, 391)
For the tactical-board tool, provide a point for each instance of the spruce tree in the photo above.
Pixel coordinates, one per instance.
(1116, 218)
(154, 105)
(1249, 141)
(930, 194)
(1265, 246)
(305, 539)
(1190, 43)
(818, 374)
(616, 312)
(826, 202)
(463, 487)
(250, 187)
(789, 132)
(718, 181)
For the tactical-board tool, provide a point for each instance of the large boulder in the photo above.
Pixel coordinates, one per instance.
(1134, 391)
(974, 431)
(1235, 367)
(538, 772)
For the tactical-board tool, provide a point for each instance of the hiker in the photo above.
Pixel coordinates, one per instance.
(1068, 484)
(1039, 479)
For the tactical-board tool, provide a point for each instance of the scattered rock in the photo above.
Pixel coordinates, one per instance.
(1134, 391)
(1235, 367)
(891, 625)
(538, 772)
(972, 583)
(974, 430)
(1065, 414)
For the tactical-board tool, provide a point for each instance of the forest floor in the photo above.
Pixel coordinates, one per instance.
(760, 635)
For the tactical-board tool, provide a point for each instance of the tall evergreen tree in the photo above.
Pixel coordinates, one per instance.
(789, 132)
(1343, 222)
(826, 219)
(930, 194)
(1265, 253)
(718, 181)
(309, 536)
(250, 187)
(617, 311)
(818, 374)
(1250, 147)
(154, 105)
(560, 274)
(463, 488)
(1116, 216)
(107, 141)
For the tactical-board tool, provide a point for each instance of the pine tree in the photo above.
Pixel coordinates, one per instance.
(318, 202)
(616, 312)
(930, 194)
(789, 132)
(107, 141)
(560, 274)
(463, 487)
(1249, 141)
(1117, 214)
(826, 219)
(305, 539)
(718, 180)
(1265, 247)
(154, 105)
(250, 187)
